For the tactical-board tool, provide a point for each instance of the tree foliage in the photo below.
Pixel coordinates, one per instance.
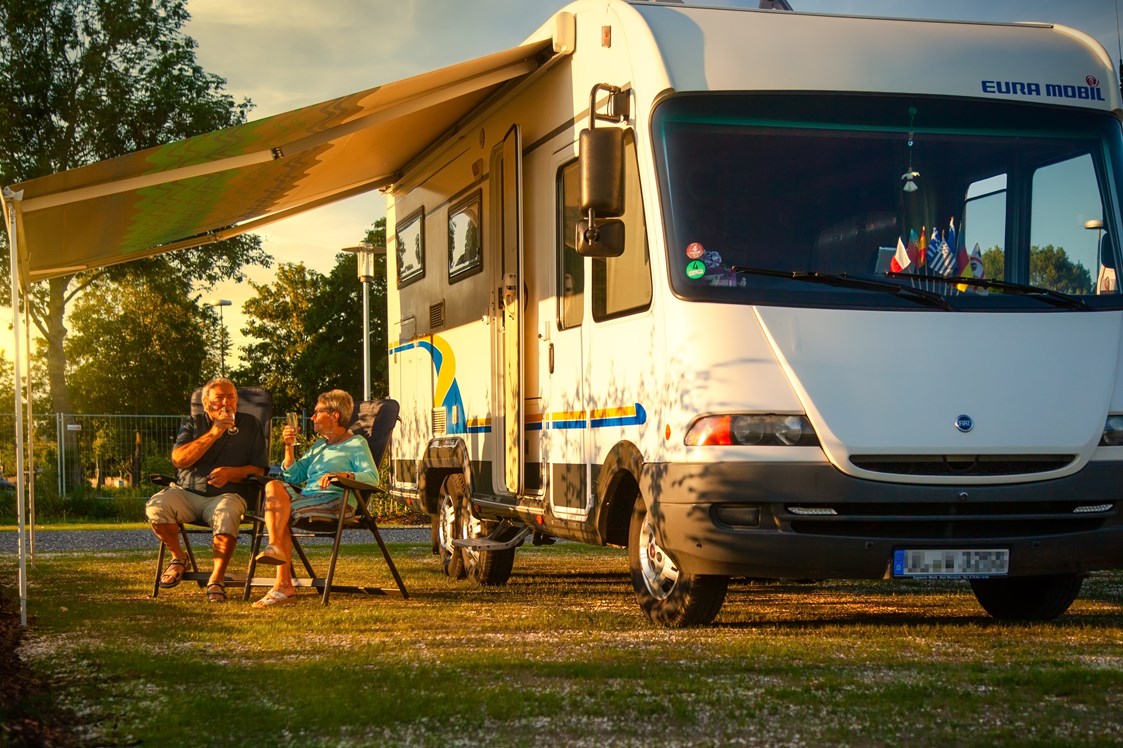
(136, 345)
(308, 330)
(994, 263)
(1049, 267)
(276, 321)
(86, 80)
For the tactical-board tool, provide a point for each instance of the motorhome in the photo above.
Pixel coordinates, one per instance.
(772, 295)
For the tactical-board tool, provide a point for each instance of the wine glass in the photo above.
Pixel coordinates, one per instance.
(293, 421)
(233, 430)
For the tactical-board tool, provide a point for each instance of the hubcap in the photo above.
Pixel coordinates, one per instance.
(446, 525)
(660, 574)
(470, 527)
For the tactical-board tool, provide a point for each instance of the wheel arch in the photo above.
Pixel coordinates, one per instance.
(443, 457)
(618, 487)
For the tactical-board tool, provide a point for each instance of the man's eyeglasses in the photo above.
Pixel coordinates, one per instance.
(317, 411)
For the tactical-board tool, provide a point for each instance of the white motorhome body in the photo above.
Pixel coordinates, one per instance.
(846, 319)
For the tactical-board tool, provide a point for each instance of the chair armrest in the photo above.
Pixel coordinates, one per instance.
(354, 485)
(161, 480)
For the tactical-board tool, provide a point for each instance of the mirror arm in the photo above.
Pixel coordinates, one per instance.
(617, 105)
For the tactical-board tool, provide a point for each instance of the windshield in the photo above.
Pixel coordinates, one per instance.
(990, 206)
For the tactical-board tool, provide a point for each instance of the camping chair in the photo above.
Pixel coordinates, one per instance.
(255, 401)
(374, 419)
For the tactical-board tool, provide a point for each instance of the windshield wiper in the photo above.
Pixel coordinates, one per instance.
(918, 295)
(1049, 296)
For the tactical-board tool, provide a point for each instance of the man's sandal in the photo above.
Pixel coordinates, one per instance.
(216, 592)
(171, 576)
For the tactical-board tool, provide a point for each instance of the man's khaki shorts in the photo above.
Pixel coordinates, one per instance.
(223, 513)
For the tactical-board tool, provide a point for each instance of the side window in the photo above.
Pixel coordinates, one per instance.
(571, 266)
(464, 230)
(622, 285)
(984, 224)
(1064, 256)
(410, 241)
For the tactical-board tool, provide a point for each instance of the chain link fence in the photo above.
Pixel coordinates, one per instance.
(92, 467)
(90, 451)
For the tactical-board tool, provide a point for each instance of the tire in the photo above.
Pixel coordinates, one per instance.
(453, 491)
(668, 595)
(1040, 598)
(486, 568)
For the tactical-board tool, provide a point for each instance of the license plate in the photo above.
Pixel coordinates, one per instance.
(929, 563)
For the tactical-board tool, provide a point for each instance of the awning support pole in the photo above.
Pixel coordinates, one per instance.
(12, 199)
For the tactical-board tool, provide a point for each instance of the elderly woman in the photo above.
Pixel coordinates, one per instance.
(336, 454)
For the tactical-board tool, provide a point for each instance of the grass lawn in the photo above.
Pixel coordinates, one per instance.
(562, 656)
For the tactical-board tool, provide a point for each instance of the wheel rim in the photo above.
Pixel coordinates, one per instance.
(446, 526)
(660, 574)
(470, 527)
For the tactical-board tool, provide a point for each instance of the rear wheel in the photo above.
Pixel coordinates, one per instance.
(455, 521)
(452, 558)
(1027, 598)
(668, 595)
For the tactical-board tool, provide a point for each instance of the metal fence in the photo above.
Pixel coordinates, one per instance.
(101, 451)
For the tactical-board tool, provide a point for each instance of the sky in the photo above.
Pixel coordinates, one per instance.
(284, 54)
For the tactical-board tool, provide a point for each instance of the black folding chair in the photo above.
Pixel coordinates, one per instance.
(374, 419)
(255, 401)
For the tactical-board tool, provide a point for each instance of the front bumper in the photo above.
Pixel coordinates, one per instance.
(799, 521)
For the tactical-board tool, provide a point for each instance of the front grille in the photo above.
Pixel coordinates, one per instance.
(933, 520)
(960, 466)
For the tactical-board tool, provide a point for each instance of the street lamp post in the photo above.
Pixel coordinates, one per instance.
(1105, 279)
(221, 334)
(364, 254)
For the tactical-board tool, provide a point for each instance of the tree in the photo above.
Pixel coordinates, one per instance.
(310, 330)
(994, 263)
(277, 320)
(1049, 267)
(334, 358)
(136, 346)
(86, 80)
(334, 325)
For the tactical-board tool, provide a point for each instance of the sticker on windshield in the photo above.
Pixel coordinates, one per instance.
(694, 251)
(695, 269)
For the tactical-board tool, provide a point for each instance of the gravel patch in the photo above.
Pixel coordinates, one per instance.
(69, 541)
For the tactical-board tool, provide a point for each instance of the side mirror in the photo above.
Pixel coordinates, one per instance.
(1107, 252)
(602, 171)
(602, 193)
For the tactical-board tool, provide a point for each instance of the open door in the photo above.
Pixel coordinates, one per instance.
(507, 180)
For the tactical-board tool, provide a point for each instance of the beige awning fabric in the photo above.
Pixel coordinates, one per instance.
(226, 182)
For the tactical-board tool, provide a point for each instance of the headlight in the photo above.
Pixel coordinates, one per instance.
(1113, 431)
(766, 430)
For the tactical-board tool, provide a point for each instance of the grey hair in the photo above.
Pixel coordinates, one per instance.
(212, 384)
(339, 402)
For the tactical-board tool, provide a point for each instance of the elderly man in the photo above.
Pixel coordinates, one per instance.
(213, 454)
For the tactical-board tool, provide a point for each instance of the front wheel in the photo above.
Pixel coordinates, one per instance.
(668, 595)
(1040, 598)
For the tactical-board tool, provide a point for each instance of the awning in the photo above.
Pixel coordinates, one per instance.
(226, 182)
